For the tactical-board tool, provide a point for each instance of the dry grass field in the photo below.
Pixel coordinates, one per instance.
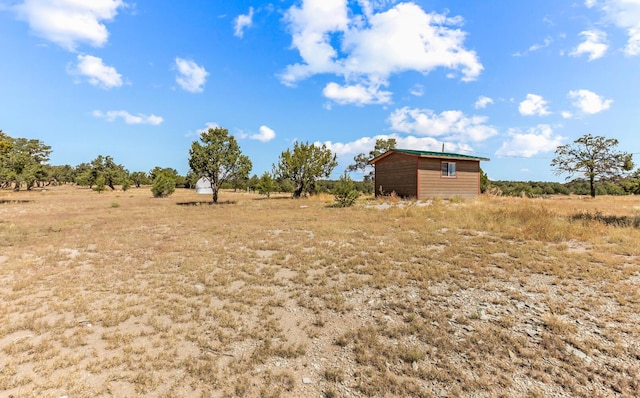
(120, 294)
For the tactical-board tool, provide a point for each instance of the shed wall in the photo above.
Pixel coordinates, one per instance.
(431, 183)
(397, 173)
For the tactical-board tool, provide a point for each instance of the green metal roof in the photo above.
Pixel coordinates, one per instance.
(429, 154)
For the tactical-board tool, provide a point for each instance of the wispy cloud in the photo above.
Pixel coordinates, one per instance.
(243, 22)
(594, 44)
(482, 102)
(191, 76)
(624, 14)
(128, 118)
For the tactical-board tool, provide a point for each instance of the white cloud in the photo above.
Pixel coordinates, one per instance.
(533, 105)
(452, 125)
(566, 115)
(547, 42)
(97, 72)
(198, 133)
(191, 77)
(594, 44)
(128, 118)
(589, 102)
(417, 90)
(242, 22)
(265, 134)
(537, 46)
(624, 14)
(70, 22)
(347, 150)
(482, 102)
(536, 140)
(357, 94)
(332, 38)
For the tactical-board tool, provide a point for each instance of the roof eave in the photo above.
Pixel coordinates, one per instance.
(429, 156)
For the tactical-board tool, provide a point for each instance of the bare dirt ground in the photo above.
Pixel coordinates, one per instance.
(120, 294)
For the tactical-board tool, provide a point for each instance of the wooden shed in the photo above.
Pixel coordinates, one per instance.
(424, 174)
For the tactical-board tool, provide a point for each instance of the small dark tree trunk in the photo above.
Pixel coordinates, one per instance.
(298, 191)
(592, 185)
(214, 188)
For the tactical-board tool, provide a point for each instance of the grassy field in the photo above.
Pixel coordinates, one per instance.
(120, 294)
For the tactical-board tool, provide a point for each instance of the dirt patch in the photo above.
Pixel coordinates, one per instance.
(505, 298)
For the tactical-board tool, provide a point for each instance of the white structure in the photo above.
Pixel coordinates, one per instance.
(203, 186)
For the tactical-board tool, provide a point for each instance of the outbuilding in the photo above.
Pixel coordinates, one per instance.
(203, 186)
(424, 174)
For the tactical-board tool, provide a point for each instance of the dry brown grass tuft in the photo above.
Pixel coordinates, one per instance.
(121, 294)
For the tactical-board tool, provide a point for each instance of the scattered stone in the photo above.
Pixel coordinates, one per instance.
(306, 380)
(578, 353)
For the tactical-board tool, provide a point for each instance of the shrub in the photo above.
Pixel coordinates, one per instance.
(163, 185)
(266, 185)
(345, 192)
(100, 184)
(126, 184)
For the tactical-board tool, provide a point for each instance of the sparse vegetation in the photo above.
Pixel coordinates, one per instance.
(164, 185)
(345, 192)
(496, 296)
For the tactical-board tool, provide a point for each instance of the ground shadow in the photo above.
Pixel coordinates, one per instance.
(274, 198)
(615, 221)
(13, 201)
(206, 203)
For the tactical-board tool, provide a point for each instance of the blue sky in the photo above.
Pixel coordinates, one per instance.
(508, 80)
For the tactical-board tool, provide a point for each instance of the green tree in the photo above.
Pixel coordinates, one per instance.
(190, 180)
(252, 184)
(140, 178)
(218, 158)
(631, 184)
(85, 175)
(104, 170)
(594, 157)
(266, 184)
(361, 161)
(164, 184)
(23, 160)
(345, 192)
(157, 170)
(484, 181)
(305, 164)
(62, 174)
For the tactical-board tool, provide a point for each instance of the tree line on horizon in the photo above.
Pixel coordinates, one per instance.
(301, 170)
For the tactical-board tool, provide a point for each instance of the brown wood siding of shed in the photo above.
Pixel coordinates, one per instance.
(466, 183)
(397, 173)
